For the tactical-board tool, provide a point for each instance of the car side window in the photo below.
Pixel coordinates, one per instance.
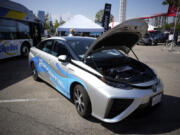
(59, 49)
(40, 45)
(46, 46)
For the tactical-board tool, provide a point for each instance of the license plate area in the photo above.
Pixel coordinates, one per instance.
(156, 99)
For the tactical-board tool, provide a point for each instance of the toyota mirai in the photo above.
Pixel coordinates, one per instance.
(97, 74)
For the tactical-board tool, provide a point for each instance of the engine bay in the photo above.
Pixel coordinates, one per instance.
(124, 69)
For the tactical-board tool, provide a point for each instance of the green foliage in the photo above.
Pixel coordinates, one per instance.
(56, 24)
(170, 2)
(167, 2)
(47, 23)
(171, 26)
(62, 22)
(167, 26)
(178, 27)
(99, 16)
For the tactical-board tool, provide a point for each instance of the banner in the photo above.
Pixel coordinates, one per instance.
(172, 10)
(41, 16)
(106, 16)
(51, 24)
(60, 20)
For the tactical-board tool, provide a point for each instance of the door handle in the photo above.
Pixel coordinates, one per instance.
(70, 69)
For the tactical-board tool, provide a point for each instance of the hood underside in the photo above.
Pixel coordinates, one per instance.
(123, 37)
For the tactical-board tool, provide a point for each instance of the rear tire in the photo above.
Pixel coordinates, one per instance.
(150, 42)
(25, 48)
(35, 73)
(81, 101)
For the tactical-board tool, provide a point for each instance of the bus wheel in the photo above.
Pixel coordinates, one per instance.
(25, 48)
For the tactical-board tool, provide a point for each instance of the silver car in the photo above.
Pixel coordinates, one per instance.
(97, 74)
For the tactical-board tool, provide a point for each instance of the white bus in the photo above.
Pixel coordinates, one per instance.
(19, 29)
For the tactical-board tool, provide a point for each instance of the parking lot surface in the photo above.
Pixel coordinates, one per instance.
(28, 107)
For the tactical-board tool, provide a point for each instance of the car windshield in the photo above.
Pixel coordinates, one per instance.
(103, 54)
(80, 46)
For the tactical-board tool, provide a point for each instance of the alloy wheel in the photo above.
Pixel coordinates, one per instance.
(78, 100)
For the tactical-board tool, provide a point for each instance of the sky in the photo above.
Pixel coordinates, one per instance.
(68, 8)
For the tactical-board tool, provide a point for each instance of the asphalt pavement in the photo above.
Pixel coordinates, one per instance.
(28, 107)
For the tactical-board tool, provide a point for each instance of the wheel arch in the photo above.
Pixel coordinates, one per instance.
(32, 61)
(26, 43)
(73, 84)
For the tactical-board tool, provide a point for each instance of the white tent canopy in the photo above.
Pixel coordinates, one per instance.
(80, 24)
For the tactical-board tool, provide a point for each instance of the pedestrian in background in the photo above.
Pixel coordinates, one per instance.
(71, 32)
(178, 39)
(171, 37)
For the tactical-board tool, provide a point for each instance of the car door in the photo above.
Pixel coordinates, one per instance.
(44, 54)
(59, 75)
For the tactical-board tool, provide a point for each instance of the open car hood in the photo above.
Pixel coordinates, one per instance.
(123, 37)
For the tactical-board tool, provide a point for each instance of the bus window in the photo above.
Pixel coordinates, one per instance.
(8, 29)
(23, 30)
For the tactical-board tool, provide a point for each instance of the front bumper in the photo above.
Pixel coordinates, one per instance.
(128, 100)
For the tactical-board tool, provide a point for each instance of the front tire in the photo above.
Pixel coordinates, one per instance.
(81, 101)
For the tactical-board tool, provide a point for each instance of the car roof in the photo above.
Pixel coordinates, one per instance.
(69, 38)
(77, 37)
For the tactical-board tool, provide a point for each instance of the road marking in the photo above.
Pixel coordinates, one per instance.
(28, 100)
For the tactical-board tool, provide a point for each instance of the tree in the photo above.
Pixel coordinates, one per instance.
(56, 24)
(63, 22)
(167, 2)
(170, 2)
(99, 16)
(47, 23)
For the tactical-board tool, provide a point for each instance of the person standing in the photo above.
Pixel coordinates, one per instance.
(171, 41)
(178, 39)
(171, 37)
(71, 33)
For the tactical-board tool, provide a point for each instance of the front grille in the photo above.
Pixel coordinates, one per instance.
(118, 106)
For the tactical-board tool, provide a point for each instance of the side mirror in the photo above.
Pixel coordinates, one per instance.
(62, 58)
